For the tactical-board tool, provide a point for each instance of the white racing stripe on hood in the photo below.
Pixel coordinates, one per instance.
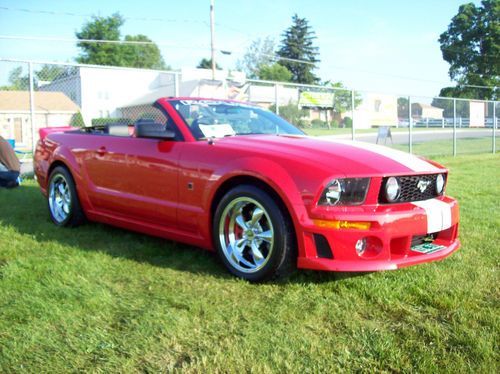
(438, 214)
(411, 162)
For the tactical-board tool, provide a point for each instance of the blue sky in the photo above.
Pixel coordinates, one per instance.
(385, 46)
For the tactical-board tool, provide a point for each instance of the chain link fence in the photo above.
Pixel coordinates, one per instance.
(35, 95)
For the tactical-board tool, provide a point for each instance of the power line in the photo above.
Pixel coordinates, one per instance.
(102, 41)
(148, 19)
(277, 57)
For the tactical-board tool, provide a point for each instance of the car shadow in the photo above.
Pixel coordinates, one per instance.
(25, 209)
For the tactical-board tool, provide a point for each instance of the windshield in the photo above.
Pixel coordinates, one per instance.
(213, 118)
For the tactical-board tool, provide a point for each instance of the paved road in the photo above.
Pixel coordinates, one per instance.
(419, 136)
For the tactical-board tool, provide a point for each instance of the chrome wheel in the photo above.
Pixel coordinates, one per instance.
(246, 234)
(59, 198)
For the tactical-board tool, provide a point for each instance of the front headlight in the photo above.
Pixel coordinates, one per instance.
(345, 191)
(392, 189)
(439, 184)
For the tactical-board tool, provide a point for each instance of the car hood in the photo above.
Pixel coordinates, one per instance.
(341, 156)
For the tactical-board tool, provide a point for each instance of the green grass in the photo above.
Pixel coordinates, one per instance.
(445, 147)
(101, 299)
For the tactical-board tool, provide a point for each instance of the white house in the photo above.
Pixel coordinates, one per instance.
(100, 91)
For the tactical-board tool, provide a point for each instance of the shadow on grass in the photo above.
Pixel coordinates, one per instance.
(25, 209)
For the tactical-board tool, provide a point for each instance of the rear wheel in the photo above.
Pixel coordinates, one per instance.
(64, 206)
(252, 235)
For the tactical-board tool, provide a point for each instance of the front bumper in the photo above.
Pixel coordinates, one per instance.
(393, 227)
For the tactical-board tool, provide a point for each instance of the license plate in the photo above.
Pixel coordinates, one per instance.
(427, 248)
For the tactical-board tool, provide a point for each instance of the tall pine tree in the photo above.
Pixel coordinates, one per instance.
(297, 44)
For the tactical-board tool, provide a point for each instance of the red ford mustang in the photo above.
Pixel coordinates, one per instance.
(237, 179)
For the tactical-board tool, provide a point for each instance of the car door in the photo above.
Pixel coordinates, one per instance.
(134, 178)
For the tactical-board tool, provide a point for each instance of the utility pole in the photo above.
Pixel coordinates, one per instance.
(212, 36)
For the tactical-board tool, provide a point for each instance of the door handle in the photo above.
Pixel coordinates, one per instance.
(101, 151)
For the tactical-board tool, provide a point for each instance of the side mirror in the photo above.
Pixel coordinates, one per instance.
(147, 129)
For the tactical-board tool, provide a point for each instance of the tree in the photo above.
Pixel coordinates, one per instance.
(274, 72)
(292, 113)
(297, 44)
(116, 54)
(206, 63)
(342, 99)
(471, 45)
(50, 72)
(17, 81)
(403, 107)
(260, 53)
(143, 55)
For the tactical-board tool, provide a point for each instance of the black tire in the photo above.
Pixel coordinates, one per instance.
(69, 213)
(278, 254)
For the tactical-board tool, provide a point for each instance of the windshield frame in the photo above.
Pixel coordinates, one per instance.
(279, 122)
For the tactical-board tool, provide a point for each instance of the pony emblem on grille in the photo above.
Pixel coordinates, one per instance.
(422, 185)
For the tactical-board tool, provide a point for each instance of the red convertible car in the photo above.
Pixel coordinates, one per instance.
(235, 178)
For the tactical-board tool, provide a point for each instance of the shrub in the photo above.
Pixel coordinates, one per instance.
(292, 114)
(77, 120)
(348, 122)
(105, 121)
(318, 123)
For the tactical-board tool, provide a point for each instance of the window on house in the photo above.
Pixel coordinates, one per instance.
(378, 103)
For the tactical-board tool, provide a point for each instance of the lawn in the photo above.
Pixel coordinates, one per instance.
(102, 299)
(445, 147)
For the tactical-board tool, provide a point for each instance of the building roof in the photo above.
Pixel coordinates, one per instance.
(44, 102)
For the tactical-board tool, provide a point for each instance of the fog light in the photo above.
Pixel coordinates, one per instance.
(361, 246)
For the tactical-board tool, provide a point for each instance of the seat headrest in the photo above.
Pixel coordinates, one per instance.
(118, 129)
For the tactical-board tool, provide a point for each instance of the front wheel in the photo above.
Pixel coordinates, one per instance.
(252, 235)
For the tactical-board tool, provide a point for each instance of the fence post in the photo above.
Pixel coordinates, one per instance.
(276, 99)
(176, 84)
(410, 124)
(32, 107)
(353, 134)
(494, 147)
(454, 127)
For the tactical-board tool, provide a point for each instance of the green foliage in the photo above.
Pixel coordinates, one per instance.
(206, 63)
(297, 44)
(347, 122)
(471, 45)
(342, 100)
(48, 73)
(116, 54)
(260, 53)
(292, 114)
(77, 120)
(17, 81)
(104, 121)
(318, 123)
(274, 72)
(141, 55)
(403, 107)
(462, 107)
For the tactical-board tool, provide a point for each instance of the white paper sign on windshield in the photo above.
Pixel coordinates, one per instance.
(217, 131)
